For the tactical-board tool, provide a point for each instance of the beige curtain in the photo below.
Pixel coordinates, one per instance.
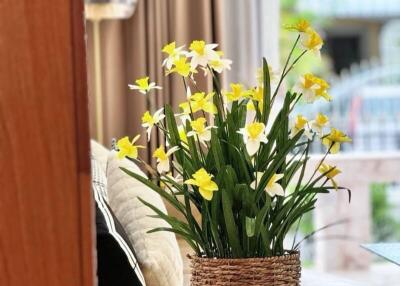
(132, 48)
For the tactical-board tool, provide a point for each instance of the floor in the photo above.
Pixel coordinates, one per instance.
(379, 274)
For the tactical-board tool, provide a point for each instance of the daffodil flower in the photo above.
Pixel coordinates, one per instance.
(250, 106)
(204, 182)
(333, 140)
(127, 148)
(312, 88)
(322, 90)
(307, 86)
(237, 92)
(173, 54)
(253, 135)
(330, 172)
(312, 41)
(201, 101)
(299, 124)
(181, 67)
(272, 188)
(163, 163)
(186, 111)
(182, 134)
(318, 124)
(256, 95)
(148, 120)
(200, 130)
(301, 26)
(220, 64)
(143, 85)
(201, 53)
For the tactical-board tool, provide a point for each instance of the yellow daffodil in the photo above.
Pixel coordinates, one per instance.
(201, 101)
(272, 188)
(204, 182)
(237, 92)
(256, 95)
(143, 85)
(307, 86)
(186, 111)
(163, 163)
(220, 64)
(333, 140)
(318, 124)
(250, 106)
(312, 41)
(312, 88)
(299, 124)
(148, 120)
(200, 130)
(127, 148)
(253, 135)
(330, 172)
(322, 90)
(182, 134)
(181, 67)
(301, 26)
(173, 54)
(201, 53)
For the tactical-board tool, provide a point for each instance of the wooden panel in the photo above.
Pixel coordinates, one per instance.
(45, 203)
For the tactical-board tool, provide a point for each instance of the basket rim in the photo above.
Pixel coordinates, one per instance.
(292, 254)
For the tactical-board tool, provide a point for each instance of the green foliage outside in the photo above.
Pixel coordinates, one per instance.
(385, 227)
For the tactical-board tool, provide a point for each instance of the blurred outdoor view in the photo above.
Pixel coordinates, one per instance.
(361, 60)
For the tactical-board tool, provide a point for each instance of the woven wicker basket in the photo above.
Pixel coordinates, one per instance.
(271, 271)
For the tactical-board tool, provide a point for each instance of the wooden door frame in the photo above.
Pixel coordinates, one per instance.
(46, 207)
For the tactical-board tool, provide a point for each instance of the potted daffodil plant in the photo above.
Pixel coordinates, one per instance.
(239, 158)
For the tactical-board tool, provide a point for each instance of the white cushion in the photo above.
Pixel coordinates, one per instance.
(100, 154)
(158, 253)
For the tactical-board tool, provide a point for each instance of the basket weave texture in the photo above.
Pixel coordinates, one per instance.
(271, 271)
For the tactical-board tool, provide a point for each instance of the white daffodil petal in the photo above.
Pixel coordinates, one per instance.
(172, 150)
(278, 177)
(134, 87)
(252, 146)
(275, 189)
(163, 166)
(148, 131)
(205, 136)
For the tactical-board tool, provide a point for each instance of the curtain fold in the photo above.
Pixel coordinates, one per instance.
(131, 49)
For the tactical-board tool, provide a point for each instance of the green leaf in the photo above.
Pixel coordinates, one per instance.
(230, 224)
(173, 132)
(216, 150)
(267, 93)
(250, 226)
(194, 152)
